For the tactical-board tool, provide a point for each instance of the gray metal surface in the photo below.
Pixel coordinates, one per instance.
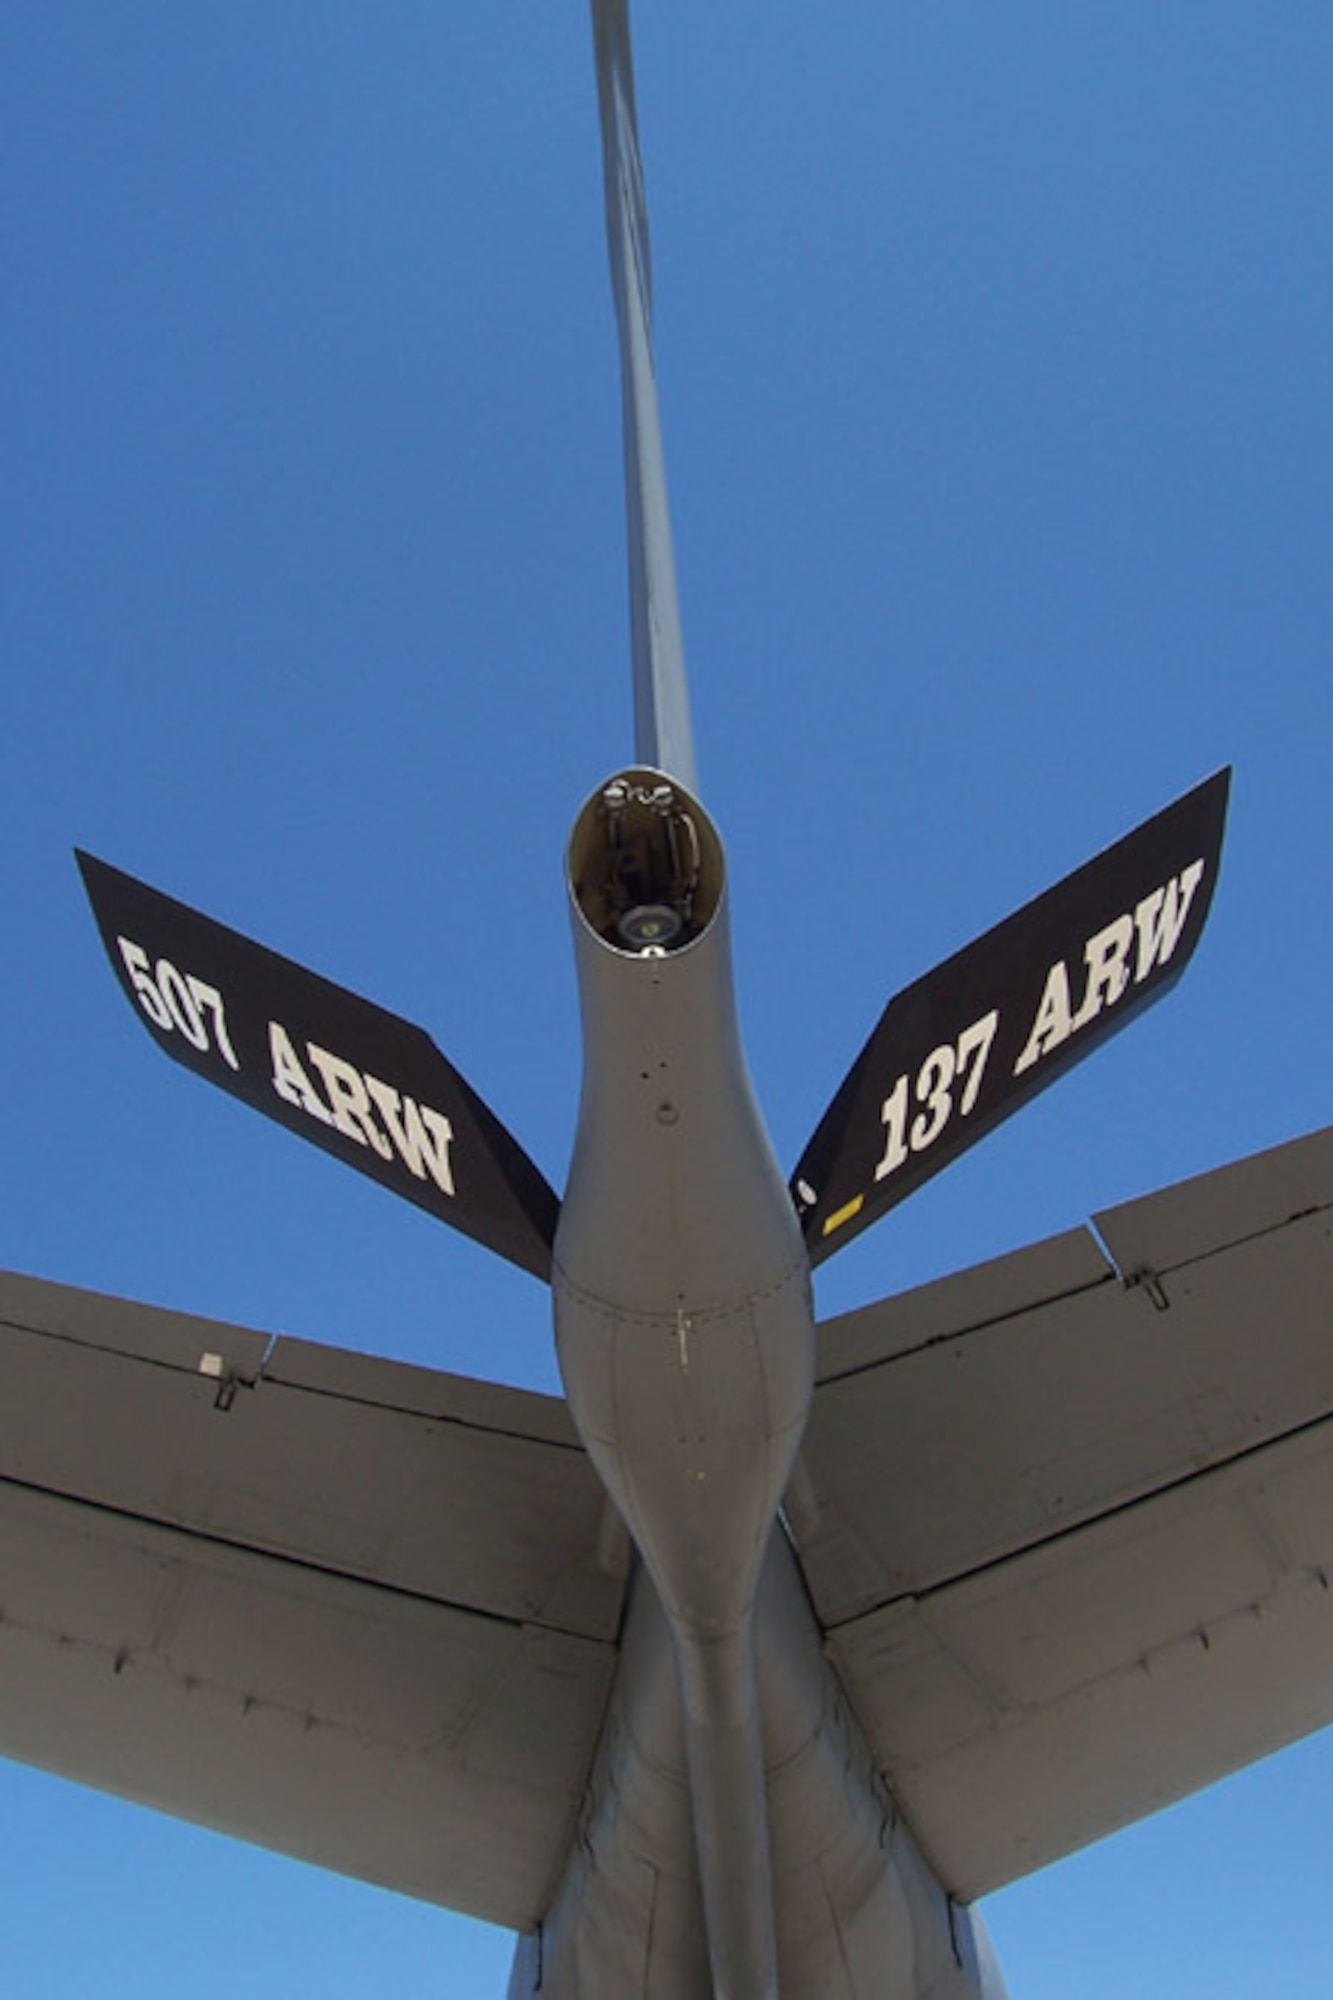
(663, 736)
(685, 1332)
(406, 1742)
(1022, 1713)
(465, 1492)
(858, 1915)
(1076, 1556)
(1174, 1227)
(338, 1609)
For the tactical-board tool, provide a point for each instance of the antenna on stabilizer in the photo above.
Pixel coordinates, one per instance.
(663, 738)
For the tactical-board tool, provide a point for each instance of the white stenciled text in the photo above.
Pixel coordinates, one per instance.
(178, 1002)
(1124, 952)
(947, 1082)
(363, 1108)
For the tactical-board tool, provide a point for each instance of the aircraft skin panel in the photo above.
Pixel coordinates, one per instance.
(324, 1603)
(429, 1392)
(468, 1493)
(858, 1914)
(1023, 1713)
(1007, 1423)
(429, 1749)
(1177, 1225)
(69, 1314)
(1041, 1535)
(1006, 1285)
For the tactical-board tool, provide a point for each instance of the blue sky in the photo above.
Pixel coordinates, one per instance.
(994, 350)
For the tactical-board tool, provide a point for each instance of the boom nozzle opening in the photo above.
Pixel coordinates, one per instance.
(645, 865)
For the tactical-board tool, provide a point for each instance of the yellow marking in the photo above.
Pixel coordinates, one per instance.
(841, 1215)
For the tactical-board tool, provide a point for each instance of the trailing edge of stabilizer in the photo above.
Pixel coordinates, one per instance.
(985, 1031)
(365, 1085)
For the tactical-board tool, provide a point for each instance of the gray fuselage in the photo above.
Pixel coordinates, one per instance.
(736, 1838)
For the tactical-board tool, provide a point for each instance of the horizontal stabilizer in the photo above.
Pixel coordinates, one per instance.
(984, 1032)
(366, 1086)
(1068, 1522)
(362, 1613)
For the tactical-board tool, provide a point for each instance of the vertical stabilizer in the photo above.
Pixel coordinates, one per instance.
(663, 738)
